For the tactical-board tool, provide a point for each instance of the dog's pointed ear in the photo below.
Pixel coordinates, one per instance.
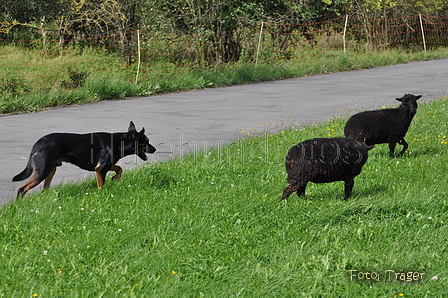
(131, 127)
(142, 132)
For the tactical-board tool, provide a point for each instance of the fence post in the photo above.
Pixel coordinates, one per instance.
(259, 44)
(423, 33)
(345, 30)
(138, 51)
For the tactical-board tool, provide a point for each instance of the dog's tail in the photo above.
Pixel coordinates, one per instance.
(25, 173)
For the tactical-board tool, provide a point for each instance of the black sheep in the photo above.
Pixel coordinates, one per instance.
(324, 160)
(384, 126)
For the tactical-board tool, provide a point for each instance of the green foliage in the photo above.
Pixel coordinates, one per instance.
(77, 79)
(213, 22)
(13, 86)
(395, 8)
(24, 11)
(211, 224)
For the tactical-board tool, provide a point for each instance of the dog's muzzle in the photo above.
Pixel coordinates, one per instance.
(150, 149)
(147, 149)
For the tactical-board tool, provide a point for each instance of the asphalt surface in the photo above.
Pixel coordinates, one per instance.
(176, 123)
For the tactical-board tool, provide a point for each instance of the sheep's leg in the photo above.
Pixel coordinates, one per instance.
(392, 145)
(301, 191)
(405, 146)
(348, 187)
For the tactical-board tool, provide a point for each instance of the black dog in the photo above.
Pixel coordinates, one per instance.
(98, 151)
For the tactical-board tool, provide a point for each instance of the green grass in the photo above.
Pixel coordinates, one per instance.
(211, 225)
(30, 82)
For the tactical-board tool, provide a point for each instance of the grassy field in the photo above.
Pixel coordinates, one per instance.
(212, 225)
(30, 82)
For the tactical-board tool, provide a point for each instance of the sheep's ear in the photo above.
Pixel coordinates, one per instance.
(399, 98)
(417, 97)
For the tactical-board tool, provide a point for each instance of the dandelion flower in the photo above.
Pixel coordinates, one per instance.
(173, 272)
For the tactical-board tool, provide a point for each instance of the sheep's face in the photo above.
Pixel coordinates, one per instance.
(409, 102)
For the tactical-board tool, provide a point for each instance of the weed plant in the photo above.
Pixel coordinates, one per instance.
(210, 224)
(30, 82)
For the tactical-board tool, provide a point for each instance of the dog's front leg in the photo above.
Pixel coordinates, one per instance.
(118, 170)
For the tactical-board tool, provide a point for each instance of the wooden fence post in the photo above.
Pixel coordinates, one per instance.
(345, 30)
(138, 52)
(259, 44)
(423, 32)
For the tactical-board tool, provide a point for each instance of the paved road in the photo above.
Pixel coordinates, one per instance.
(214, 116)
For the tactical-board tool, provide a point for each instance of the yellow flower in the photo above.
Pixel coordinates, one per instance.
(35, 295)
(173, 272)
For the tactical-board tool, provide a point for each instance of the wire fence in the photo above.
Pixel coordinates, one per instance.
(72, 59)
(269, 41)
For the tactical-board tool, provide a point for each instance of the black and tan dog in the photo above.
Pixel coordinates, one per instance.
(98, 151)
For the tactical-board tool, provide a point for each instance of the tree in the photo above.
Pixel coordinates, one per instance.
(396, 8)
(71, 18)
(28, 13)
(215, 21)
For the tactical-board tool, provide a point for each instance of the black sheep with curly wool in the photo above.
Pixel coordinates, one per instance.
(384, 126)
(324, 160)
